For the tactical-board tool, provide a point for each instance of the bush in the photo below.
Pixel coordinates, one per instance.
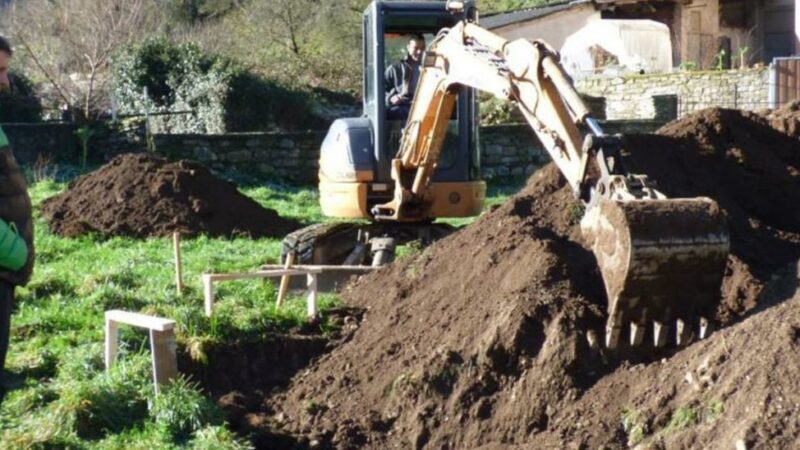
(20, 104)
(206, 93)
(493, 111)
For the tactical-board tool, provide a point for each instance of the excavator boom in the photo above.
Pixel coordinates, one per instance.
(662, 260)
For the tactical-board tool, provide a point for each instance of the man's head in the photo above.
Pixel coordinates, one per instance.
(416, 45)
(5, 60)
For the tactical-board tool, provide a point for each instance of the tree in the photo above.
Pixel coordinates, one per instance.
(313, 43)
(69, 43)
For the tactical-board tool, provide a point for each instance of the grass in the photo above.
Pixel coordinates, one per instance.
(59, 395)
(633, 425)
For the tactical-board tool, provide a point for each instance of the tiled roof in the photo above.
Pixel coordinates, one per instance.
(522, 15)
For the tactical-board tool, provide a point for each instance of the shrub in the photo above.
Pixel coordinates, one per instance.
(205, 93)
(20, 104)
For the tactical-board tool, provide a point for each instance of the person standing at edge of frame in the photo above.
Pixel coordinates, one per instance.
(15, 212)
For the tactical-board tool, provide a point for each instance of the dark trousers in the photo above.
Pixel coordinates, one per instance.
(398, 112)
(6, 303)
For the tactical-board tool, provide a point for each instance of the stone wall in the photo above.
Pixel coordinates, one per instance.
(631, 97)
(53, 141)
(290, 156)
(506, 150)
(514, 150)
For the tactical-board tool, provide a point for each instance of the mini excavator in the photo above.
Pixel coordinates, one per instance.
(662, 260)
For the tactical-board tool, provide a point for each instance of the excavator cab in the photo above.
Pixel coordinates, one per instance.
(355, 160)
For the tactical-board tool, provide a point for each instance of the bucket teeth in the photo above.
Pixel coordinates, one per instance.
(705, 328)
(683, 333)
(613, 330)
(659, 334)
(612, 336)
(637, 334)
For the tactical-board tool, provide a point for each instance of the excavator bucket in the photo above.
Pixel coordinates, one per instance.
(662, 262)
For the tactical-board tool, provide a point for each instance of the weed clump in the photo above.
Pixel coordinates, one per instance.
(181, 410)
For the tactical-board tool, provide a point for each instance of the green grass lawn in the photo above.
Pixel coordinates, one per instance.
(59, 395)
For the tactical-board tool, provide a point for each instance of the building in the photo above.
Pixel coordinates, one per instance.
(749, 31)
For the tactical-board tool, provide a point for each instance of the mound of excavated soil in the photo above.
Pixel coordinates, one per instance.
(738, 389)
(786, 119)
(481, 341)
(141, 195)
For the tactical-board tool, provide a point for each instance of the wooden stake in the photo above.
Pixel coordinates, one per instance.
(285, 279)
(176, 248)
(208, 294)
(311, 307)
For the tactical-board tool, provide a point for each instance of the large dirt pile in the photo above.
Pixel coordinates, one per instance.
(481, 340)
(141, 195)
(786, 118)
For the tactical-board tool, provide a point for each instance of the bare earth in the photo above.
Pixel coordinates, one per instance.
(141, 195)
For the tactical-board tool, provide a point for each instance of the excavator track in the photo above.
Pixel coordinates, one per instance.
(321, 243)
(333, 243)
(662, 263)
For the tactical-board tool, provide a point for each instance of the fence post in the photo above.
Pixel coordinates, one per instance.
(773, 85)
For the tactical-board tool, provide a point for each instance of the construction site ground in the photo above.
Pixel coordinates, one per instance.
(480, 341)
(477, 342)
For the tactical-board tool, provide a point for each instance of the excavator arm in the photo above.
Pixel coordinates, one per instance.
(662, 260)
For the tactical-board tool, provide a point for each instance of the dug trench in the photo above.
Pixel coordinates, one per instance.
(238, 374)
(480, 341)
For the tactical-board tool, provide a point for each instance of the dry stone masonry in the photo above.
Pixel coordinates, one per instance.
(638, 96)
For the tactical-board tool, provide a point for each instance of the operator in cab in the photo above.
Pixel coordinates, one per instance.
(401, 80)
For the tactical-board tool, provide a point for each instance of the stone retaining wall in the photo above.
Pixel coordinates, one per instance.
(506, 150)
(631, 97)
(50, 141)
(290, 156)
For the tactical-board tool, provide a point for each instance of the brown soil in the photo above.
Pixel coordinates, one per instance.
(786, 119)
(481, 341)
(141, 195)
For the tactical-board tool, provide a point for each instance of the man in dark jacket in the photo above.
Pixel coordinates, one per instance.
(401, 80)
(15, 207)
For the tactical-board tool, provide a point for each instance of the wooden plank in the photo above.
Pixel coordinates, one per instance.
(176, 250)
(259, 274)
(140, 320)
(111, 342)
(311, 304)
(322, 268)
(208, 294)
(165, 363)
(210, 278)
(285, 279)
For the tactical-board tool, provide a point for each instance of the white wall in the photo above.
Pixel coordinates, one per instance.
(554, 28)
(797, 18)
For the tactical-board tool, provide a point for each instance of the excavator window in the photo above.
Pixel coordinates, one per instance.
(395, 50)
